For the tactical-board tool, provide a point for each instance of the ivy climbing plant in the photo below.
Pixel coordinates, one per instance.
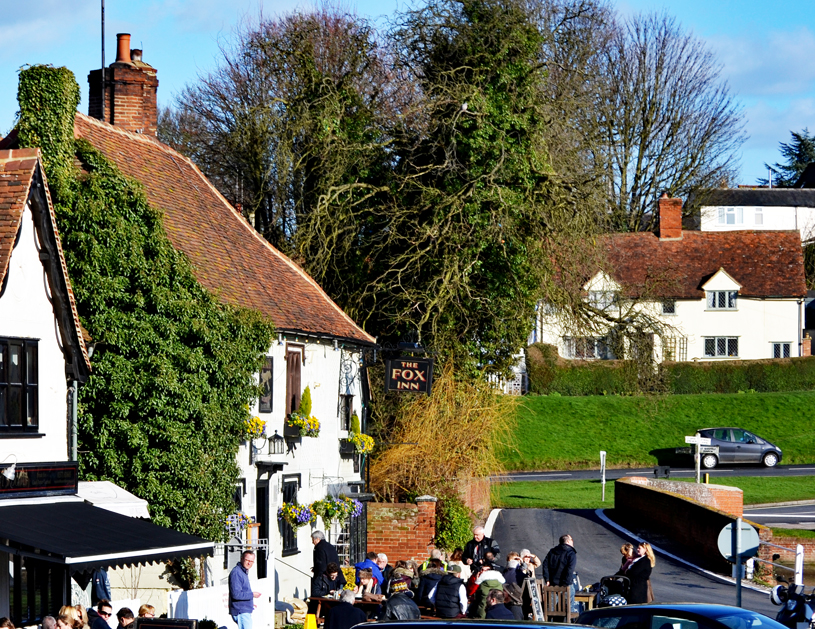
(163, 411)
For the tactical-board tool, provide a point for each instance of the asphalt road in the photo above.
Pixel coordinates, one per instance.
(789, 517)
(676, 472)
(598, 555)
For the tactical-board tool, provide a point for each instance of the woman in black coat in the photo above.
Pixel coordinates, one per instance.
(639, 573)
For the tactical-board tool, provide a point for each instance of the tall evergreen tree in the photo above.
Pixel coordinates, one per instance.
(799, 153)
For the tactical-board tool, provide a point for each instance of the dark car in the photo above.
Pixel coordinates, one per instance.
(737, 445)
(677, 616)
(465, 623)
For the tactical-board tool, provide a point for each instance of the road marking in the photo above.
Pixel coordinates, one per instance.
(797, 516)
(798, 469)
(541, 475)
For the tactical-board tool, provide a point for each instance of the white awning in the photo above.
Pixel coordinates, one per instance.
(107, 495)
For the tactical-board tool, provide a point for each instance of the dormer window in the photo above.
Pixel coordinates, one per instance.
(602, 299)
(721, 299)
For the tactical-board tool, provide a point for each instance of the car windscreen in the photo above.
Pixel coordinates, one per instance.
(746, 620)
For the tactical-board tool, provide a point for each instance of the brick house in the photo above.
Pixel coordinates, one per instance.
(704, 295)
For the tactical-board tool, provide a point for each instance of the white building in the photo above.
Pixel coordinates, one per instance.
(776, 209)
(317, 346)
(51, 535)
(703, 295)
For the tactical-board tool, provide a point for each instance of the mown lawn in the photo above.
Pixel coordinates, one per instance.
(569, 432)
(585, 494)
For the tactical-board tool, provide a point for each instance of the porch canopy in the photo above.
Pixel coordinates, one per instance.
(82, 537)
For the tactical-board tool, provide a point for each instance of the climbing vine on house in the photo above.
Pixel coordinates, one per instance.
(163, 411)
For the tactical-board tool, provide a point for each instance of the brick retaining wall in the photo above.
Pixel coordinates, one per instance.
(402, 530)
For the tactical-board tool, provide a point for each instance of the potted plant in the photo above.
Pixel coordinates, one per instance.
(339, 509)
(301, 422)
(296, 515)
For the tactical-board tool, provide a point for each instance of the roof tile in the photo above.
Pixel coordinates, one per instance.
(228, 256)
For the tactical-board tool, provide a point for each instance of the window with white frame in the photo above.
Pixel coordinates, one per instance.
(722, 346)
(731, 215)
(781, 350)
(602, 299)
(586, 348)
(721, 299)
(669, 307)
(759, 216)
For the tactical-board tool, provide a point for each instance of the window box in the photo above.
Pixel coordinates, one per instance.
(347, 447)
(291, 432)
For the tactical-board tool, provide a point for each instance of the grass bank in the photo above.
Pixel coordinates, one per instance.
(586, 494)
(555, 432)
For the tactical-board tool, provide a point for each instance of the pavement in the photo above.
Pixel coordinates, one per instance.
(676, 472)
(785, 516)
(598, 555)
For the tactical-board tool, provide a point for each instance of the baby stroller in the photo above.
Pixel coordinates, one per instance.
(614, 591)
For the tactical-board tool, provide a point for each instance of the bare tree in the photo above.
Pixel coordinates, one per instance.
(666, 120)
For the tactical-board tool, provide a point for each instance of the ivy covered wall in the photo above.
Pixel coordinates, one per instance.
(163, 411)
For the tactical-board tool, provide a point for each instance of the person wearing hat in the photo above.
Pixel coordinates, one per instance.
(449, 597)
(400, 605)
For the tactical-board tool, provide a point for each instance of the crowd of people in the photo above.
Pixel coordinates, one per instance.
(77, 617)
(472, 582)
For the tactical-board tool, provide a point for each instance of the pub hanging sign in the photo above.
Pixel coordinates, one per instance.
(414, 375)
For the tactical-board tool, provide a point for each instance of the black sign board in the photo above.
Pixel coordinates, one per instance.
(39, 479)
(414, 375)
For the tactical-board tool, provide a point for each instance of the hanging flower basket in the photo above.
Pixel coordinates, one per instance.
(254, 428)
(339, 509)
(296, 515)
(308, 425)
(363, 443)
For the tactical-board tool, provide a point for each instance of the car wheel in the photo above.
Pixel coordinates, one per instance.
(770, 459)
(709, 461)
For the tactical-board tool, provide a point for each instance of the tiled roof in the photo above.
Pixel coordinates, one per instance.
(765, 263)
(18, 170)
(229, 257)
(760, 197)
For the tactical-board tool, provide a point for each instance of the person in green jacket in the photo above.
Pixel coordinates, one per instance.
(488, 579)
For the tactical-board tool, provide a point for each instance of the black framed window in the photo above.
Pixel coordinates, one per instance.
(346, 410)
(265, 402)
(287, 531)
(19, 380)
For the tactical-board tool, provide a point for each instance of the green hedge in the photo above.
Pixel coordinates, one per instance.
(781, 375)
(549, 374)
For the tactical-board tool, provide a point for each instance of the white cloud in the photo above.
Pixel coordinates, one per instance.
(772, 63)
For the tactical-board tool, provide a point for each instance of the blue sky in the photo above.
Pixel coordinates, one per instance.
(767, 50)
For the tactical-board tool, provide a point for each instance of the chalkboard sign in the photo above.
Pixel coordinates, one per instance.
(165, 623)
(535, 597)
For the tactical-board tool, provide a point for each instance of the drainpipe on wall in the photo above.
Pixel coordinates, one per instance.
(74, 395)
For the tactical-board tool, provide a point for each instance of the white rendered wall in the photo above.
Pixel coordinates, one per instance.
(26, 312)
(317, 460)
(772, 219)
(757, 323)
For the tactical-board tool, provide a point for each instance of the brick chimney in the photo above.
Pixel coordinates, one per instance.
(670, 218)
(130, 91)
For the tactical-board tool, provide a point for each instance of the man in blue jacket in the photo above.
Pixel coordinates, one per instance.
(241, 596)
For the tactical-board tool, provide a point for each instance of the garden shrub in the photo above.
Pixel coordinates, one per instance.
(454, 522)
(548, 373)
(778, 375)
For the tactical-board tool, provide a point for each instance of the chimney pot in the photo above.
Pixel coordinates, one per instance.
(670, 218)
(123, 48)
(135, 54)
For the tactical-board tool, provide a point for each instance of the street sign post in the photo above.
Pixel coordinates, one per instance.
(603, 472)
(698, 441)
(738, 540)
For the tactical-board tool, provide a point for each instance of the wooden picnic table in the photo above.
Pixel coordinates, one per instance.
(588, 598)
(328, 602)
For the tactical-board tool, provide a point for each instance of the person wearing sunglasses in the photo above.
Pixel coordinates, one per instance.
(99, 617)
